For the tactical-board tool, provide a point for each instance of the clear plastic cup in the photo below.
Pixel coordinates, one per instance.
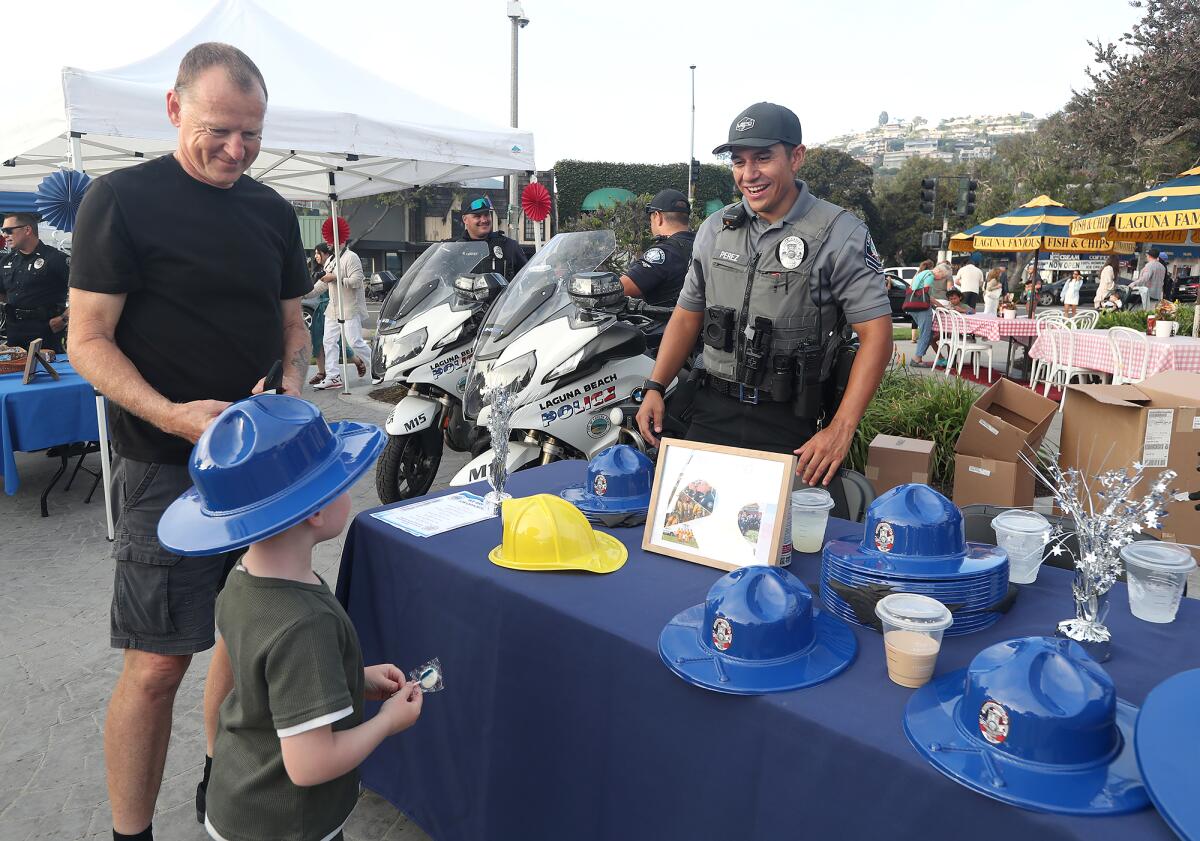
(1023, 535)
(810, 514)
(912, 636)
(1156, 573)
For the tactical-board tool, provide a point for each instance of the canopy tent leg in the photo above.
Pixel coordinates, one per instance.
(105, 465)
(337, 270)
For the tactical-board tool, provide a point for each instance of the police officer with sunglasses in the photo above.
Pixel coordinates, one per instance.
(505, 255)
(774, 285)
(33, 279)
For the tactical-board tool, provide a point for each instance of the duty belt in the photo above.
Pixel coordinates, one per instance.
(33, 314)
(741, 392)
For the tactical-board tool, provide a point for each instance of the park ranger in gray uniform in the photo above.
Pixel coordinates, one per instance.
(773, 283)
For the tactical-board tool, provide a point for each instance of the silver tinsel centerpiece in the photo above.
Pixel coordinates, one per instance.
(500, 396)
(1100, 534)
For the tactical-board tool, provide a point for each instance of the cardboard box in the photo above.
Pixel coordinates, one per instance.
(894, 461)
(986, 481)
(1006, 419)
(1156, 422)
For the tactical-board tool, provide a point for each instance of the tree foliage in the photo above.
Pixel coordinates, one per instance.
(1141, 115)
(575, 179)
(628, 222)
(836, 177)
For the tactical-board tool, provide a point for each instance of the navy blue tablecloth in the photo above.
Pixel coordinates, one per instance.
(43, 414)
(559, 720)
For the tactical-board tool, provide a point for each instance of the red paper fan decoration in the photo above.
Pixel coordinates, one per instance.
(535, 201)
(343, 231)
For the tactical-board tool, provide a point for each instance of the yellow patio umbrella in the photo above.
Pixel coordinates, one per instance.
(1168, 213)
(1041, 224)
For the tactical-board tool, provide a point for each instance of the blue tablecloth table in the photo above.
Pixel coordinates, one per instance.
(43, 414)
(559, 720)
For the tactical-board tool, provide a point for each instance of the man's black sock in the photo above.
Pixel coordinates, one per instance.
(202, 790)
(146, 834)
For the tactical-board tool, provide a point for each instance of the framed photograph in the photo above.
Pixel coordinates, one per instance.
(718, 506)
(35, 357)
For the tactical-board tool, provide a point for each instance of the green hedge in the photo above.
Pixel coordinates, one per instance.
(1136, 319)
(575, 179)
(932, 408)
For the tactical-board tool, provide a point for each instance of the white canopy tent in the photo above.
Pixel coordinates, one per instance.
(325, 115)
(333, 130)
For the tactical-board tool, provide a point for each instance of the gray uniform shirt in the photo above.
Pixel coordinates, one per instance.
(846, 270)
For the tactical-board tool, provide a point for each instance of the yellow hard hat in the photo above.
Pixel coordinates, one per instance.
(545, 532)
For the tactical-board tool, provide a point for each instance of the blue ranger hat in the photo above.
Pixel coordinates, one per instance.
(619, 481)
(264, 464)
(757, 632)
(1034, 722)
(913, 530)
(1168, 735)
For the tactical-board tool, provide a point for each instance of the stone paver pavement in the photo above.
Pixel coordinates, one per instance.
(57, 671)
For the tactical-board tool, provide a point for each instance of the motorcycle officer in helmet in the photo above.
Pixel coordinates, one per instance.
(505, 255)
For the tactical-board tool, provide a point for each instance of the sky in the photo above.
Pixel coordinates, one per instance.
(609, 79)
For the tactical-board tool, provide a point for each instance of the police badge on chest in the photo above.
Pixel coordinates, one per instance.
(792, 251)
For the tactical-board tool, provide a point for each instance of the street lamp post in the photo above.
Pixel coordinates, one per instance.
(692, 149)
(517, 16)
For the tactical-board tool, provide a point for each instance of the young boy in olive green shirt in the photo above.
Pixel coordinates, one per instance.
(271, 472)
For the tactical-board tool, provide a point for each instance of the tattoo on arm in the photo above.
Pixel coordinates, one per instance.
(300, 359)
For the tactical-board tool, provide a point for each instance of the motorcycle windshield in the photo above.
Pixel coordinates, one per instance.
(540, 289)
(430, 280)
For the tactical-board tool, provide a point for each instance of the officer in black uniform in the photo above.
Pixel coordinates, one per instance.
(774, 285)
(657, 276)
(506, 257)
(33, 279)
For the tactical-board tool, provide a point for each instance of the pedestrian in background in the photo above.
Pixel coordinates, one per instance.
(992, 290)
(1070, 294)
(1108, 280)
(352, 308)
(970, 280)
(923, 318)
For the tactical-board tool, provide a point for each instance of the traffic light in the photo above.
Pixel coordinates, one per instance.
(966, 196)
(694, 172)
(928, 194)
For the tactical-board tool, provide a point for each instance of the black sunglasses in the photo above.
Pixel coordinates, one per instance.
(7, 231)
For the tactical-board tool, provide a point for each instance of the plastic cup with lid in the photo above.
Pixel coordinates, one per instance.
(810, 514)
(912, 636)
(1023, 535)
(1156, 573)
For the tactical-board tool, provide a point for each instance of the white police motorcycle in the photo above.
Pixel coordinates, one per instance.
(427, 327)
(574, 350)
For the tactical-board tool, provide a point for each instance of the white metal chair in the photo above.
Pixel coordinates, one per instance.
(944, 328)
(1086, 320)
(1040, 369)
(1062, 343)
(1131, 355)
(965, 347)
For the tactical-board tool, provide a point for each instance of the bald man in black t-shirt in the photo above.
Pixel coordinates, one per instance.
(186, 282)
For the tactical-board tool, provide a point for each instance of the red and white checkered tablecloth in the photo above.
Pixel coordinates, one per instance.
(1092, 350)
(995, 329)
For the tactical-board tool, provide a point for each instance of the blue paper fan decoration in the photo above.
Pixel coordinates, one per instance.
(59, 195)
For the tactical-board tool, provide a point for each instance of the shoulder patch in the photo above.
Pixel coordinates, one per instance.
(655, 256)
(871, 255)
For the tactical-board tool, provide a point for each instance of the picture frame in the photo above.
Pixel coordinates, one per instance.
(723, 507)
(34, 357)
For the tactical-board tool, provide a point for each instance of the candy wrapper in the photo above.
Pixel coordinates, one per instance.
(428, 676)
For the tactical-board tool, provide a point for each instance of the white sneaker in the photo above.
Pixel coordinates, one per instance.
(328, 383)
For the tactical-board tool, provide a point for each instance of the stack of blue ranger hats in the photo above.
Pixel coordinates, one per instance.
(914, 543)
(1167, 743)
(618, 484)
(1034, 722)
(757, 632)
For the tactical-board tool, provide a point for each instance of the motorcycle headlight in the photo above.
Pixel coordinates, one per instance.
(451, 337)
(513, 375)
(409, 346)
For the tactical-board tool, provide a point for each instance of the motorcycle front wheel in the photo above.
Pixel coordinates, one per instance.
(408, 465)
